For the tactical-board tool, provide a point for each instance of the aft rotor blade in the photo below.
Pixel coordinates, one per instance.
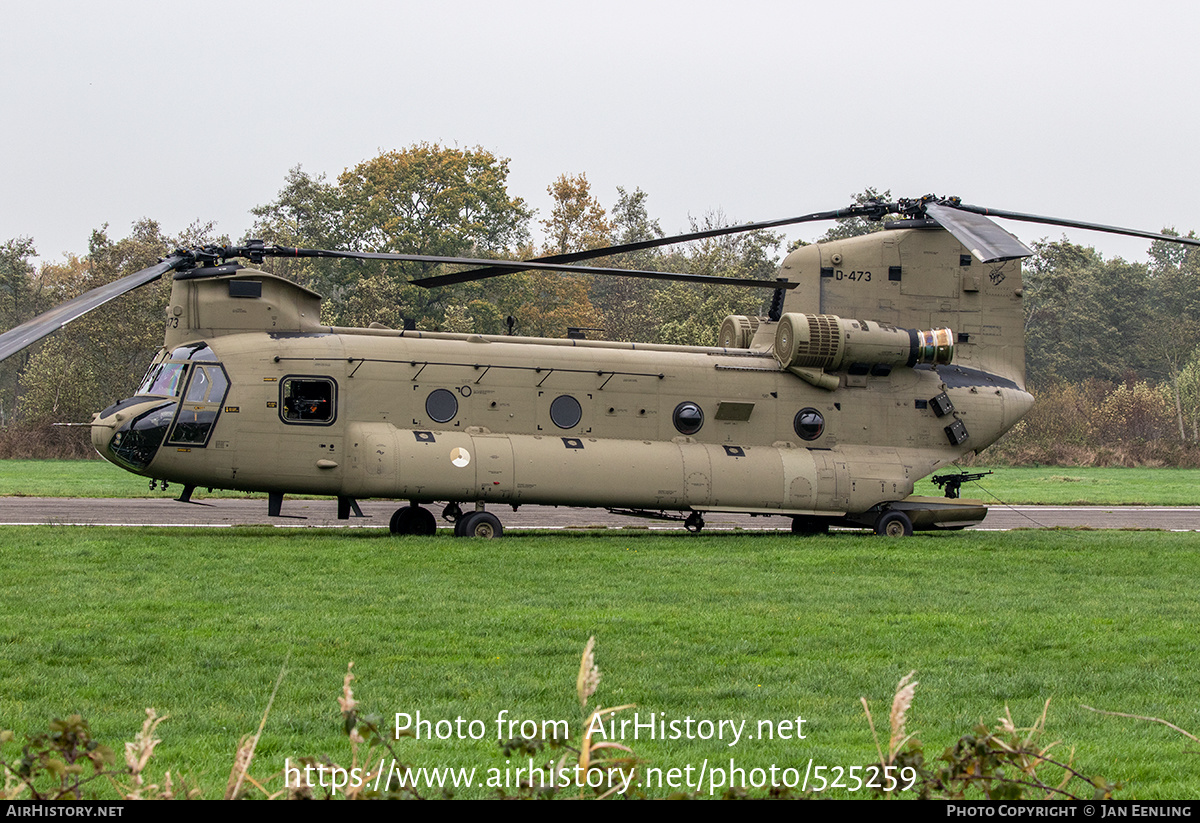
(986, 240)
(510, 266)
(1075, 224)
(590, 254)
(28, 333)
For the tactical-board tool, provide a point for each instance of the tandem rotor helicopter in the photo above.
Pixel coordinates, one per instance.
(883, 358)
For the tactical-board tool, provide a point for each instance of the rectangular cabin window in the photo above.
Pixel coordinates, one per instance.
(310, 400)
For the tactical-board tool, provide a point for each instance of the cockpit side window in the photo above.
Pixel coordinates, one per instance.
(206, 390)
(208, 383)
(197, 391)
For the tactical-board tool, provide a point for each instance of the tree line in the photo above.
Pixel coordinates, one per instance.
(1107, 340)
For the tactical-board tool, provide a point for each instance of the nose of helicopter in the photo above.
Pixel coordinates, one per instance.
(128, 433)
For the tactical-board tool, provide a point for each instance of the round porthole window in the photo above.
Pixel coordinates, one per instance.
(688, 418)
(809, 424)
(566, 412)
(441, 405)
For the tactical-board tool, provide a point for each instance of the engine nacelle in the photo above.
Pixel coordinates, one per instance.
(825, 341)
(737, 331)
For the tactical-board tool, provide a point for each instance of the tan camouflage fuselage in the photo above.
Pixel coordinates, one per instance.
(421, 416)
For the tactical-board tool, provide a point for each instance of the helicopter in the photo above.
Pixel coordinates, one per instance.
(883, 358)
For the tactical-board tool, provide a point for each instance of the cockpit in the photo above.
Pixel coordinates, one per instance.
(189, 385)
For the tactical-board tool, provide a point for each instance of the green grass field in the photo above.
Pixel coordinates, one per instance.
(1017, 486)
(79, 478)
(1076, 486)
(197, 624)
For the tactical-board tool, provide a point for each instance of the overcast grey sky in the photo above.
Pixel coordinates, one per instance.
(124, 109)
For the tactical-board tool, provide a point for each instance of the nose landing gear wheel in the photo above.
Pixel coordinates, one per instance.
(413, 520)
(894, 524)
(479, 524)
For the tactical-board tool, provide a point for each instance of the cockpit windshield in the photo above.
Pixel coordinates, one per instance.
(193, 351)
(189, 373)
(163, 380)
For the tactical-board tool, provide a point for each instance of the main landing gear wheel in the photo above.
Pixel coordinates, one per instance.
(479, 524)
(413, 520)
(694, 522)
(894, 524)
(810, 525)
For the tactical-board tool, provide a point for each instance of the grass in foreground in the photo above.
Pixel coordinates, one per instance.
(106, 622)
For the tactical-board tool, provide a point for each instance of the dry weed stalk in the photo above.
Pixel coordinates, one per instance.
(362, 731)
(1003, 764)
(589, 674)
(906, 689)
(349, 706)
(1025, 750)
(247, 745)
(589, 753)
(1000, 763)
(346, 702)
(52, 765)
(138, 753)
(241, 764)
(1166, 723)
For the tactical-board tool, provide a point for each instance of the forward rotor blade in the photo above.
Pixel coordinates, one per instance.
(1075, 224)
(986, 240)
(571, 257)
(28, 333)
(510, 266)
